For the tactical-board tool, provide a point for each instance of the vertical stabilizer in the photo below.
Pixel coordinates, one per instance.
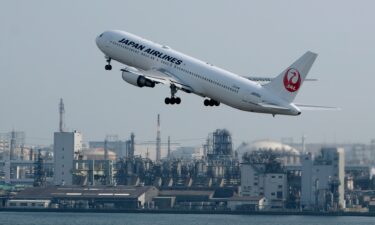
(288, 83)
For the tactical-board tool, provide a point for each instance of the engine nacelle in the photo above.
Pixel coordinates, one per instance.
(137, 80)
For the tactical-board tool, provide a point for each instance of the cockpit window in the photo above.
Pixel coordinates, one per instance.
(101, 35)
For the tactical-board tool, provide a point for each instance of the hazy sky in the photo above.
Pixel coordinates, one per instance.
(47, 51)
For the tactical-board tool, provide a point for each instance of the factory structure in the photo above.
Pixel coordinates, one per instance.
(323, 185)
(111, 174)
(17, 160)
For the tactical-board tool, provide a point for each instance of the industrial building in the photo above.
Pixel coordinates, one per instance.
(66, 147)
(287, 155)
(17, 161)
(323, 180)
(219, 167)
(119, 197)
(119, 147)
(262, 175)
(187, 199)
(112, 174)
(249, 203)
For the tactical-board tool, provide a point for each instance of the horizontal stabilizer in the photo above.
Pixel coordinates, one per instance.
(268, 79)
(316, 107)
(272, 106)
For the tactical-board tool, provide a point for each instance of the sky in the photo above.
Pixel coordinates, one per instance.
(48, 52)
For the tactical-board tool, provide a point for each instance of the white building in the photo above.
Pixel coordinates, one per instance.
(28, 203)
(323, 180)
(66, 147)
(247, 203)
(256, 182)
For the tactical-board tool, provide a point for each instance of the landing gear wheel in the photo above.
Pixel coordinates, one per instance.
(211, 102)
(108, 67)
(173, 100)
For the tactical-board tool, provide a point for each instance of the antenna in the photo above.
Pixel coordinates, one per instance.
(158, 141)
(62, 113)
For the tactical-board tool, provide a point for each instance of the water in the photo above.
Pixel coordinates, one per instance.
(36, 218)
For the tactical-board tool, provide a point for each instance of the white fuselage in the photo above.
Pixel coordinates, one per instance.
(205, 79)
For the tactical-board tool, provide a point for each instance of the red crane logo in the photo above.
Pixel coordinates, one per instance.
(292, 80)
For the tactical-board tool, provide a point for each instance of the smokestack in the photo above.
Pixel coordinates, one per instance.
(132, 148)
(12, 154)
(105, 149)
(158, 141)
(169, 147)
(62, 113)
(303, 144)
(106, 162)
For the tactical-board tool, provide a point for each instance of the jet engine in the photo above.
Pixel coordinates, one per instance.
(137, 80)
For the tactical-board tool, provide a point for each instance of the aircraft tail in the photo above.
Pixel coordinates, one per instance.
(288, 83)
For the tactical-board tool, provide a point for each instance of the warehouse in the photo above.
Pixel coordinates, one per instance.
(123, 197)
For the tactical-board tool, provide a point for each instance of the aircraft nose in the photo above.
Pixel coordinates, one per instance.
(97, 40)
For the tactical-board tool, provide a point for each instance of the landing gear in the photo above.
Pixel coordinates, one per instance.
(173, 100)
(211, 102)
(108, 66)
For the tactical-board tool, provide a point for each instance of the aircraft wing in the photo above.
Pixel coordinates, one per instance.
(161, 76)
(315, 107)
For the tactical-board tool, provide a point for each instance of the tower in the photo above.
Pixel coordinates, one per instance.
(12, 154)
(106, 163)
(106, 149)
(158, 141)
(132, 148)
(39, 172)
(66, 148)
(303, 143)
(169, 147)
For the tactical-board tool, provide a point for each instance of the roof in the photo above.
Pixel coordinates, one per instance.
(266, 145)
(79, 192)
(246, 198)
(185, 192)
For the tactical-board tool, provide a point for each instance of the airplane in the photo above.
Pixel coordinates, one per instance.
(148, 63)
